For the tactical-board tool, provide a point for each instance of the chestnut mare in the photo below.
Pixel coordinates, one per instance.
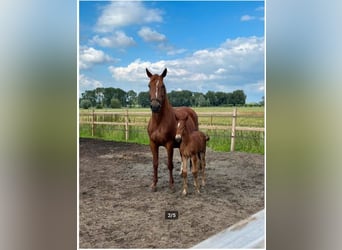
(163, 124)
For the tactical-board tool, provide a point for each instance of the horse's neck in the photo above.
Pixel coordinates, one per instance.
(186, 137)
(165, 111)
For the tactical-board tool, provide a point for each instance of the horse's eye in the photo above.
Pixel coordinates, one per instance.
(149, 85)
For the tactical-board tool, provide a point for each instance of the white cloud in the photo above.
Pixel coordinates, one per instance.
(261, 8)
(90, 56)
(169, 49)
(88, 83)
(244, 44)
(231, 66)
(135, 71)
(118, 40)
(172, 51)
(150, 35)
(258, 86)
(220, 71)
(119, 14)
(245, 18)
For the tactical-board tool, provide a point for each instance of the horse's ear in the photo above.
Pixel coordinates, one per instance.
(164, 73)
(148, 73)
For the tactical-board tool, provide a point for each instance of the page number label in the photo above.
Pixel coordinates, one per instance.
(171, 215)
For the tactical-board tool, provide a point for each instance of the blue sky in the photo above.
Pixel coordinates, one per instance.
(217, 46)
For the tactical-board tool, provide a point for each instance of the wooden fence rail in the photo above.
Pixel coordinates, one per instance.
(91, 118)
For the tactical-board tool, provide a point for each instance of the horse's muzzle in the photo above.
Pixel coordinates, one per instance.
(155, 106)
(178, 138)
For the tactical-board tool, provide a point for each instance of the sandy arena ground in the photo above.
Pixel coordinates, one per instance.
(118, 210)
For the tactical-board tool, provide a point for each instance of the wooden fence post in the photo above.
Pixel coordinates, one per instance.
(92, 123)
(232, 140)
(126, 125)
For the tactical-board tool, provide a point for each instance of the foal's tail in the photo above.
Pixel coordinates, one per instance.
(207, 138)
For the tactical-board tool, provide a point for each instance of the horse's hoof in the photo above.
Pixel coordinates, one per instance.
(184, 192)
(153, 188)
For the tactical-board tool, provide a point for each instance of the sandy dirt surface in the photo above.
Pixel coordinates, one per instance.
(118, 210)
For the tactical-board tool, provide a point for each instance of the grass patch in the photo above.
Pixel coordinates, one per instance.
(246, 141)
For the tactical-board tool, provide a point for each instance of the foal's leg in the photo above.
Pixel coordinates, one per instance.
(194, 170)
(155, 155)
(203, 168)
(169, 148)
(185, 175)
(181, 169)
(200, 167)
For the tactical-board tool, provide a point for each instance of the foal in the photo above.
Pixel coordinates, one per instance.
(193, 145)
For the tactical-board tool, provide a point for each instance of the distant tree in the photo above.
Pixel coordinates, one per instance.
(102, 97)
(99, 97)
(180, 98)
(131, 98)
(90, 95)
(121, 96)
(211, 97)
(221, 98)
(262, 102)
(117, 93)
(108, 96)
(173, 98)
(144, 99)
(238, 97)
(229, 99)
(202, 102)
(115, 103)
(85, 103)
(195, 99)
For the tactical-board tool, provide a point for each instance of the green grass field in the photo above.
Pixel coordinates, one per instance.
(246, 141)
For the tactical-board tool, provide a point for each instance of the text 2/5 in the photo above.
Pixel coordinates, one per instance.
(171, 215)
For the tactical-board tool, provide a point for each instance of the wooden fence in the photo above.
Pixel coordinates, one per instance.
(92, 118)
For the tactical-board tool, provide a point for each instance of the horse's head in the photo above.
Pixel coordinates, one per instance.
(157, 90)
(181, 128)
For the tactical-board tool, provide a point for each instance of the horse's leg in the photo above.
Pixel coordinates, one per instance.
(155, 155)
(203, 168)
(184, 174)
(194, 170)
(199, 169)
(169, 148)
(181, 169)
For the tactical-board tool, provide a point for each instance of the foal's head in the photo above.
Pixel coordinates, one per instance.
(181, 128)
(157, 90)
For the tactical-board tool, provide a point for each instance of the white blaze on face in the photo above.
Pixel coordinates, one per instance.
(157, 89)
(178, 136)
